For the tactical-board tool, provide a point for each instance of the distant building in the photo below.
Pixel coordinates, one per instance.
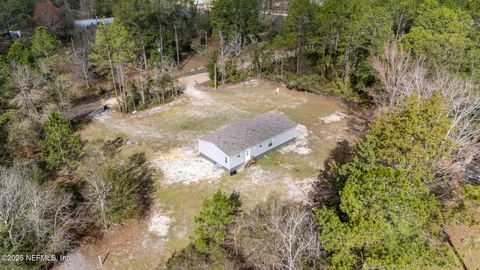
(235, 144)
(91, 22)
(7, 38)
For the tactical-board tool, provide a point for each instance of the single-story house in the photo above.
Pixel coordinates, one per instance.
(91, 22)
(235, 144)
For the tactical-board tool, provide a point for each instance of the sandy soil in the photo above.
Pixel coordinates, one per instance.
(334, 117)
(300, 145)
(184, 165)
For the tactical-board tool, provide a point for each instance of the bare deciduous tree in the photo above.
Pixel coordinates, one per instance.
(29, 94)
(279, 235)
(391, 69)
(34, 215)
(30, 100)
(48, 15)
(95, 189)
(81, 48)
(85, 6)
(13, 205)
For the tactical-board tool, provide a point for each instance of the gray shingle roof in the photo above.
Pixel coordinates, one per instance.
(243, 134)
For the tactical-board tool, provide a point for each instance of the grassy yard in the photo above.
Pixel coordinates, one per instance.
(169, 135)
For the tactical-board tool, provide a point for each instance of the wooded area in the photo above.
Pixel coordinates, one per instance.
(381, 202)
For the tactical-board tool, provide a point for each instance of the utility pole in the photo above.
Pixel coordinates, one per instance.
(215, 74)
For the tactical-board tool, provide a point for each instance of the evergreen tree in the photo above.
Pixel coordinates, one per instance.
(5, 111)
(114, 47)
(386, 215)
(19, 53)
(44, 44)
(14, 14)
(131, 185)
(299, 26)
(60, 145)
(445, 36)
(113, 52)
(230, 17)
(212, 224)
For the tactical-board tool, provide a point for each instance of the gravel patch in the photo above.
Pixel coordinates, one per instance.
(182, 165)
(300, 144)
(196, 94)
(159, 224)
(334, 117)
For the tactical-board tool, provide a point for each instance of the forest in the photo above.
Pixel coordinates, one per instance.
(384, 200)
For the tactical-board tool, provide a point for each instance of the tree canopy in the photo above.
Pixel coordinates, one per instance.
(60, 145)
(43, 43)
(386, 214)
(446, 36)
(214, 220)
(231, 17)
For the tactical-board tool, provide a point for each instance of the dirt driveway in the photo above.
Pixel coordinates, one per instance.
(168, 135)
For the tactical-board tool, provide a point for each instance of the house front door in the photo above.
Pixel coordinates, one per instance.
(247, 155)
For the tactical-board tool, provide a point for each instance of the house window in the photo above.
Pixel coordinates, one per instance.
(226, 159)
(270, 143)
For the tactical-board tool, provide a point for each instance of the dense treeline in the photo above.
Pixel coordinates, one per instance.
(327, 48)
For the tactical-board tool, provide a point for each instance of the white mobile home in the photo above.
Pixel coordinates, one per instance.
(235, 144)
(92, 22)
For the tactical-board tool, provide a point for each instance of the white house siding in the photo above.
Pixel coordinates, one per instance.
(237, 160)
(212, 152)
(256, 151)
(89, 22)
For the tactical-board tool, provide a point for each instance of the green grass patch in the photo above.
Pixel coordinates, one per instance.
(290, 164)
(472, 192)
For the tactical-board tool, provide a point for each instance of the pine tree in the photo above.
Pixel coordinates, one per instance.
(60, 146)
(217, 214)
(18, 53)
(113, 52)
(44, 43)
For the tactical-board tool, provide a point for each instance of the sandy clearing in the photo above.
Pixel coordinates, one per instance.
(183, 165)
(169, 134)
(112, 121)
(159, 224)
(196, 94)
(300, 145)
(251, 83)
(334, 117)
(161, 107)
(296, 189)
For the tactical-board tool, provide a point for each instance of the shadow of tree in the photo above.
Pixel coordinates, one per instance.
(325, 189)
